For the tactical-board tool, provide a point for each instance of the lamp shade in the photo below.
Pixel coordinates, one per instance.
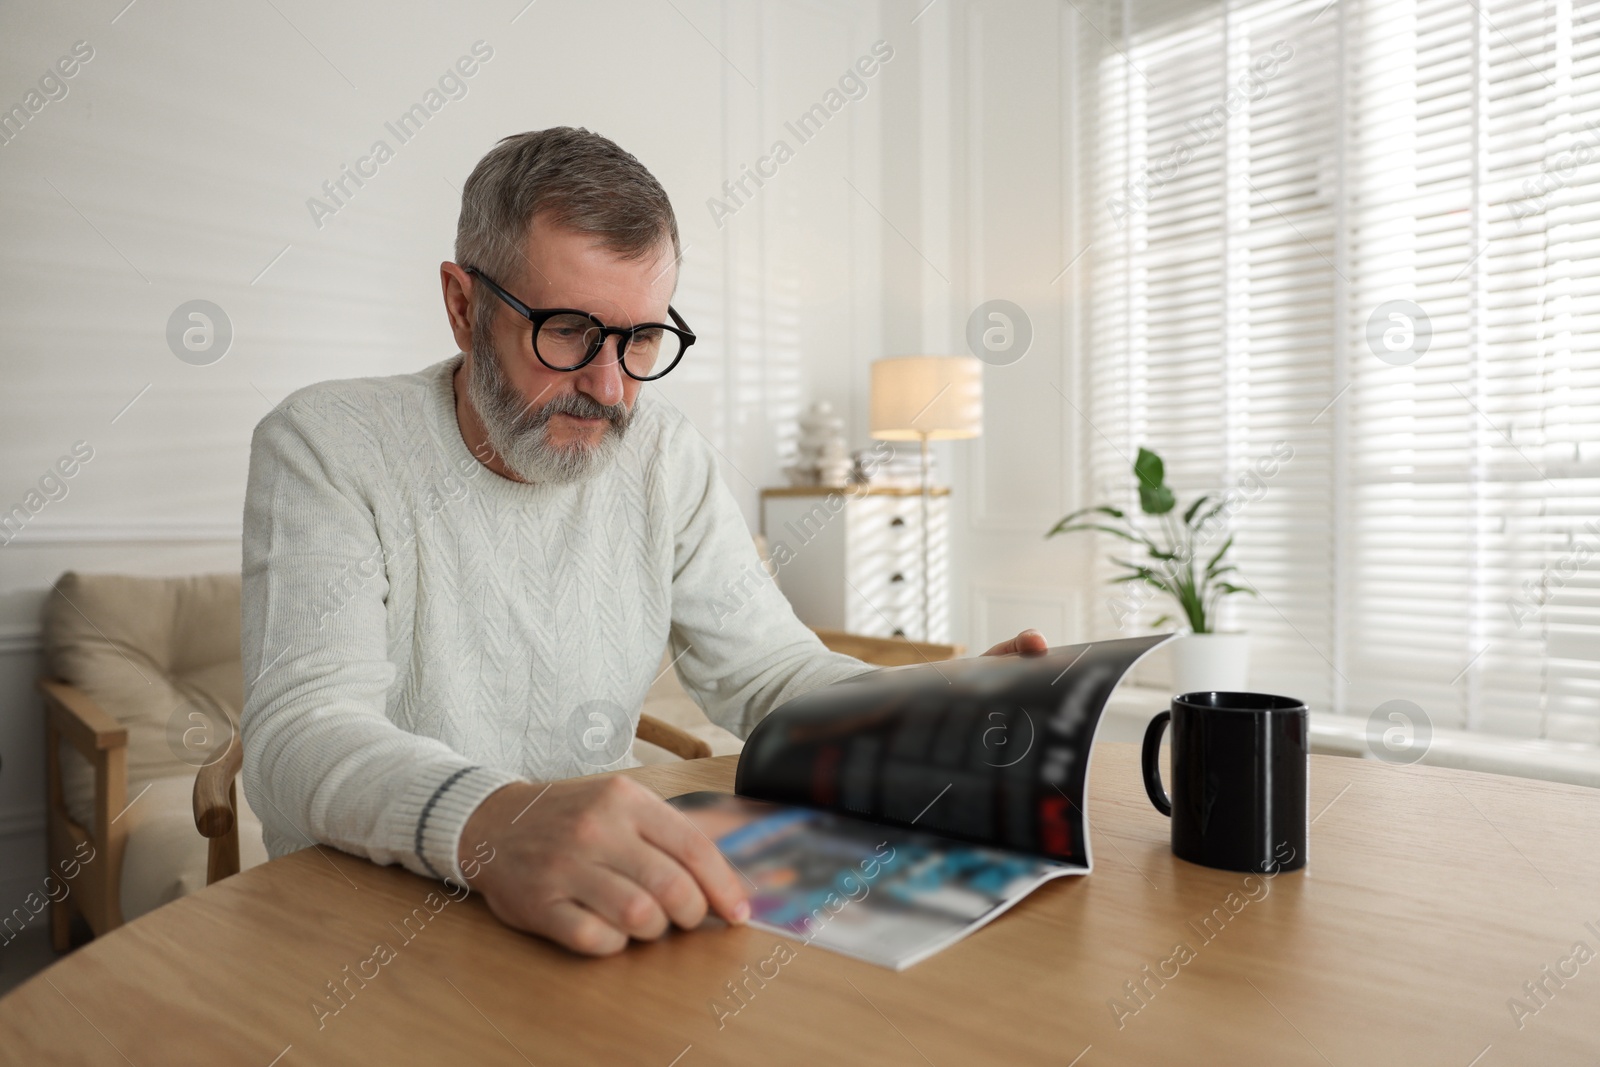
(937, 396)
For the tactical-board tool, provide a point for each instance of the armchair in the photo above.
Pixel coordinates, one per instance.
(141, 683)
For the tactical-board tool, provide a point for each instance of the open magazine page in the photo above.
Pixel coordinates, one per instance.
(992, 750)
(882, 894)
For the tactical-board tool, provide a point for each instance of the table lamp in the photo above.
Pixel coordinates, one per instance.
(926, 398)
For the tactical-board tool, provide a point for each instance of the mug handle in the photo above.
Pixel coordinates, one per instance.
(1151, 760)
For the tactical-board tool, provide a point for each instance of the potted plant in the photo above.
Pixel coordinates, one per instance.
(1204, 659)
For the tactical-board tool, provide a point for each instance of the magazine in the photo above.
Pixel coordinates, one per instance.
(890, 815)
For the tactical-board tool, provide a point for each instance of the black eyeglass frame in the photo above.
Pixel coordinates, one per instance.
(624, 334)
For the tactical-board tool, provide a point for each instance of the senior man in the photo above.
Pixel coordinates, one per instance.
(449, 574)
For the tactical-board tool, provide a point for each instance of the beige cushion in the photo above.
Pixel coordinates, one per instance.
(166, 857)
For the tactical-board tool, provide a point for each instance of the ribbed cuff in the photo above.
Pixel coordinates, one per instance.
(442, 806)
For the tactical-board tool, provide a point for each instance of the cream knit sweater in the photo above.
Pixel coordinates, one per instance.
(418, 631)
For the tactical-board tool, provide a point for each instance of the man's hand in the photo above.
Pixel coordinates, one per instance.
(594, 862)
(1028, 642)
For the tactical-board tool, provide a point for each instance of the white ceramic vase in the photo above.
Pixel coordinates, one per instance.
(1211, 663)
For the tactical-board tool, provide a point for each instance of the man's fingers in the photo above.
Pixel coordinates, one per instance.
(603, 861)
(671, 831)
(621, 902)
(1029, 642)
(576, 927)
(1004, 648)
(665, 879)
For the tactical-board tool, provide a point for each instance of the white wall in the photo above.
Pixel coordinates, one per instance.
(980, 157)
(178, 166)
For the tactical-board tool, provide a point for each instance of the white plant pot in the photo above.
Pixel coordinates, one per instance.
(1211, 663)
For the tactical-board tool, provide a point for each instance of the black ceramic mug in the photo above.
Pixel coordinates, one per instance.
(1240, 773)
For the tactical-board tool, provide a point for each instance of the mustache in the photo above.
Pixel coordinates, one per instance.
(575, 404)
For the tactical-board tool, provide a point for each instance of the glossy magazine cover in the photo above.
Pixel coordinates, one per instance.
(887, 816)
(882, 894)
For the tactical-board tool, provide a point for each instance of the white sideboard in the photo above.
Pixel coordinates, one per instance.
(851, 559)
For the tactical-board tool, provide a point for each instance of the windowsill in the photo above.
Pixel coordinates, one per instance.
(1131, 707)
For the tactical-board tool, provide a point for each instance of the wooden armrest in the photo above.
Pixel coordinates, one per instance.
(71, 714)
(887, 651)
(213, 791)
(674, 739)
(214, 813)
(80, 720)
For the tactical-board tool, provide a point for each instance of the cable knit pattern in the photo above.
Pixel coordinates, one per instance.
(418, 631)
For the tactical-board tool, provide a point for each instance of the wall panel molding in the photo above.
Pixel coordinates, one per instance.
(110, 532)
(20, 641)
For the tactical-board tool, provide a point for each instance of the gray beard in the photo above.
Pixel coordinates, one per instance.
(519, 433)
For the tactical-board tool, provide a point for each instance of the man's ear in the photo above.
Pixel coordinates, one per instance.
(457, 286)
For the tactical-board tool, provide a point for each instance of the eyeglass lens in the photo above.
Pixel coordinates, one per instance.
(564, 342)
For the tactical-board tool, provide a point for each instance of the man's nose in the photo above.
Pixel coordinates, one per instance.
(602, 379)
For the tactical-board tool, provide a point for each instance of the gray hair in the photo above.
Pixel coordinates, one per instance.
(564, 177)
(568, 177)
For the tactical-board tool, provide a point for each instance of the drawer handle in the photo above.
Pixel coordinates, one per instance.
(897, 577)
(897, 521)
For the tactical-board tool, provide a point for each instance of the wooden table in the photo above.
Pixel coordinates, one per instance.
(1431, 897)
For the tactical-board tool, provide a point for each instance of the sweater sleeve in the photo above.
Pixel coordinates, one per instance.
(738, 647)
(323, 764)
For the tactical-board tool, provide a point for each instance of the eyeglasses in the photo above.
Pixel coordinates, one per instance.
(567, 339)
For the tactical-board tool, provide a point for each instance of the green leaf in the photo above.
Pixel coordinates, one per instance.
(1149, 469)
(1211, 513)
(1062, 526)
(1102, 528)
(1156, 499)
(1220, 553)
(1188, 516)
(1144, 574)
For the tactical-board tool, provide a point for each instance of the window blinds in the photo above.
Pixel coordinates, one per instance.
(1347, 265)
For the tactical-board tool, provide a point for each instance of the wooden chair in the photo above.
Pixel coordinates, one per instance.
(72, 717)
(215, 799)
